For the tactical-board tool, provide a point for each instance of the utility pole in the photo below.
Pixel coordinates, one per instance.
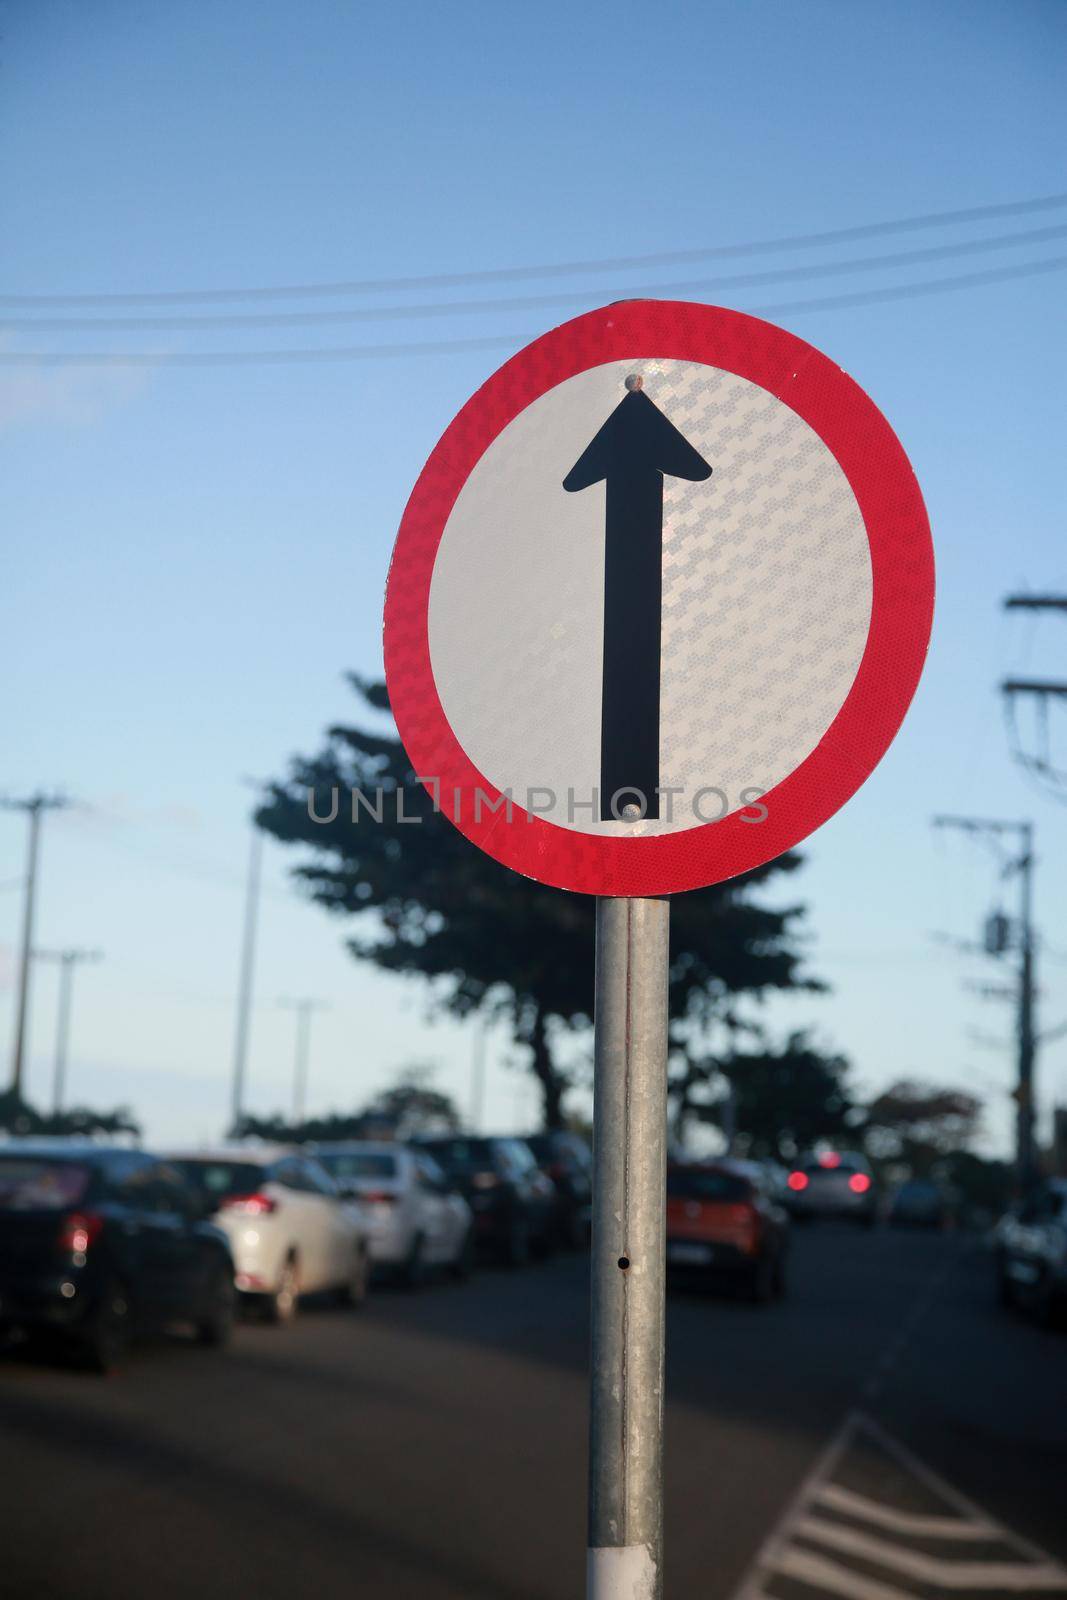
(1040, 691)
(303, 1008)
(34, 806)
(68, 960)
(1026, 1035)
(247, 971)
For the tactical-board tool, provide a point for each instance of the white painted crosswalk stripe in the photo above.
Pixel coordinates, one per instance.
(863, 1508)
(845, 1541)
(1014, 1576)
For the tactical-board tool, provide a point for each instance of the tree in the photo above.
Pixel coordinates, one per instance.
(414, 1108)
(919, 1123)
(18, 1117)
(409, 1108)
(425, 902)
(778, 1102)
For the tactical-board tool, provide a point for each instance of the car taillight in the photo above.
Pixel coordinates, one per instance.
(378, 1197)
(797, 1181)
(737, 1224)
(249, 1205)
(78, 1230)
(859, 1183)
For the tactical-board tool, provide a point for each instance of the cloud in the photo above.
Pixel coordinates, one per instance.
(71, 396)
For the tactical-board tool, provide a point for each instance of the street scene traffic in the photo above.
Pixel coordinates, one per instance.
(533, 811)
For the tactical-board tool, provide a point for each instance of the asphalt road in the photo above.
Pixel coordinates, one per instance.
(432, 1445)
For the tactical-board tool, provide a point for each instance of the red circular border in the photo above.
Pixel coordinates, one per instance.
(890, 503)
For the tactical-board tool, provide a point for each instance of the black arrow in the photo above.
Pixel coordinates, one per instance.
(634, 450)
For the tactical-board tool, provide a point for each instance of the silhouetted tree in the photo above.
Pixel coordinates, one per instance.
(18, 1117)
(428, 903)
(918, 1123)
(779, 1101)
(409, 1108)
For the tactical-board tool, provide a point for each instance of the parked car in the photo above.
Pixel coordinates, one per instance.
(920, 1203)
(415, 1218)
(837, 1183)
(567, 1159)
(97, 1244)
(1031, 1252)
(290, 1230)
(723, 1221)
(512, 1200)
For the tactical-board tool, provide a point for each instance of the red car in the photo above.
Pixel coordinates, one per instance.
(723, 1221)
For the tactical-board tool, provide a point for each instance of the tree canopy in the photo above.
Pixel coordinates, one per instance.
(423, 901)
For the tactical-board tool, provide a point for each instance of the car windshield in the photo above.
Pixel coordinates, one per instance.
(462, 1155)
(358, 1163)
(222, 1178)
(828, 1165)
(27, 1184)
(706, 1183)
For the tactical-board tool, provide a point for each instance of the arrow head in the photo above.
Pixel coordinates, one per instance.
(636, 438)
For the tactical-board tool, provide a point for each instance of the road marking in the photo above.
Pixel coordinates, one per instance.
(851, 1504)
(1014, 1576)
(831, 1578)
(814, 1517)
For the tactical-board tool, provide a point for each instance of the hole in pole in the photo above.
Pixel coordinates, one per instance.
(624, 1262)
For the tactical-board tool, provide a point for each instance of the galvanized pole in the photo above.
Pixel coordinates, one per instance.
(628, 1253)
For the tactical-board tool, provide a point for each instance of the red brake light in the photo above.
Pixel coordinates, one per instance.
(797, 1180)
(377, 1197)
(78, 1230)
(249, 1205)
(830, 1159)
(859, 1183)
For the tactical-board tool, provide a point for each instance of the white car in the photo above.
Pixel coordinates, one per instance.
(290, 1230)
(415, 1219)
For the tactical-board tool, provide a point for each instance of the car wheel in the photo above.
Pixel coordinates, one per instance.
(516, 1248)
(413, 1272)
(354, 1292)
(106, 1341)
(216, 1325)
(281, 1306)
(463, 1264)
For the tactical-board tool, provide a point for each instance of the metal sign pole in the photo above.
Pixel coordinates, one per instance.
(628, 1251)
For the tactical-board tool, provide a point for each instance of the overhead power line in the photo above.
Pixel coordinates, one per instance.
(365, 352)
(452, 280)
(444, 308)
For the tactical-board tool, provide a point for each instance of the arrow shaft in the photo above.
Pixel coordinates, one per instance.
(633, 585)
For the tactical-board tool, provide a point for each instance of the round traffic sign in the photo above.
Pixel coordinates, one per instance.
(659, 600)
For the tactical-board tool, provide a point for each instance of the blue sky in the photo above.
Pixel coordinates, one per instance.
(196, 554)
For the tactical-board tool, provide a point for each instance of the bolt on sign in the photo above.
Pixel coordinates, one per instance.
(659, 600)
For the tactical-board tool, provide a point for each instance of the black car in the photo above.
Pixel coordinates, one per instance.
(512, 1200)
(97, 1244)
(568, 1161)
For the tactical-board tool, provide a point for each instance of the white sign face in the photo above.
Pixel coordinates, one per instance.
(766, 599)
(659, 601)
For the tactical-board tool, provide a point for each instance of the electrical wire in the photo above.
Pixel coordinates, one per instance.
(363, 352)
(451, 280)
(439, 308)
